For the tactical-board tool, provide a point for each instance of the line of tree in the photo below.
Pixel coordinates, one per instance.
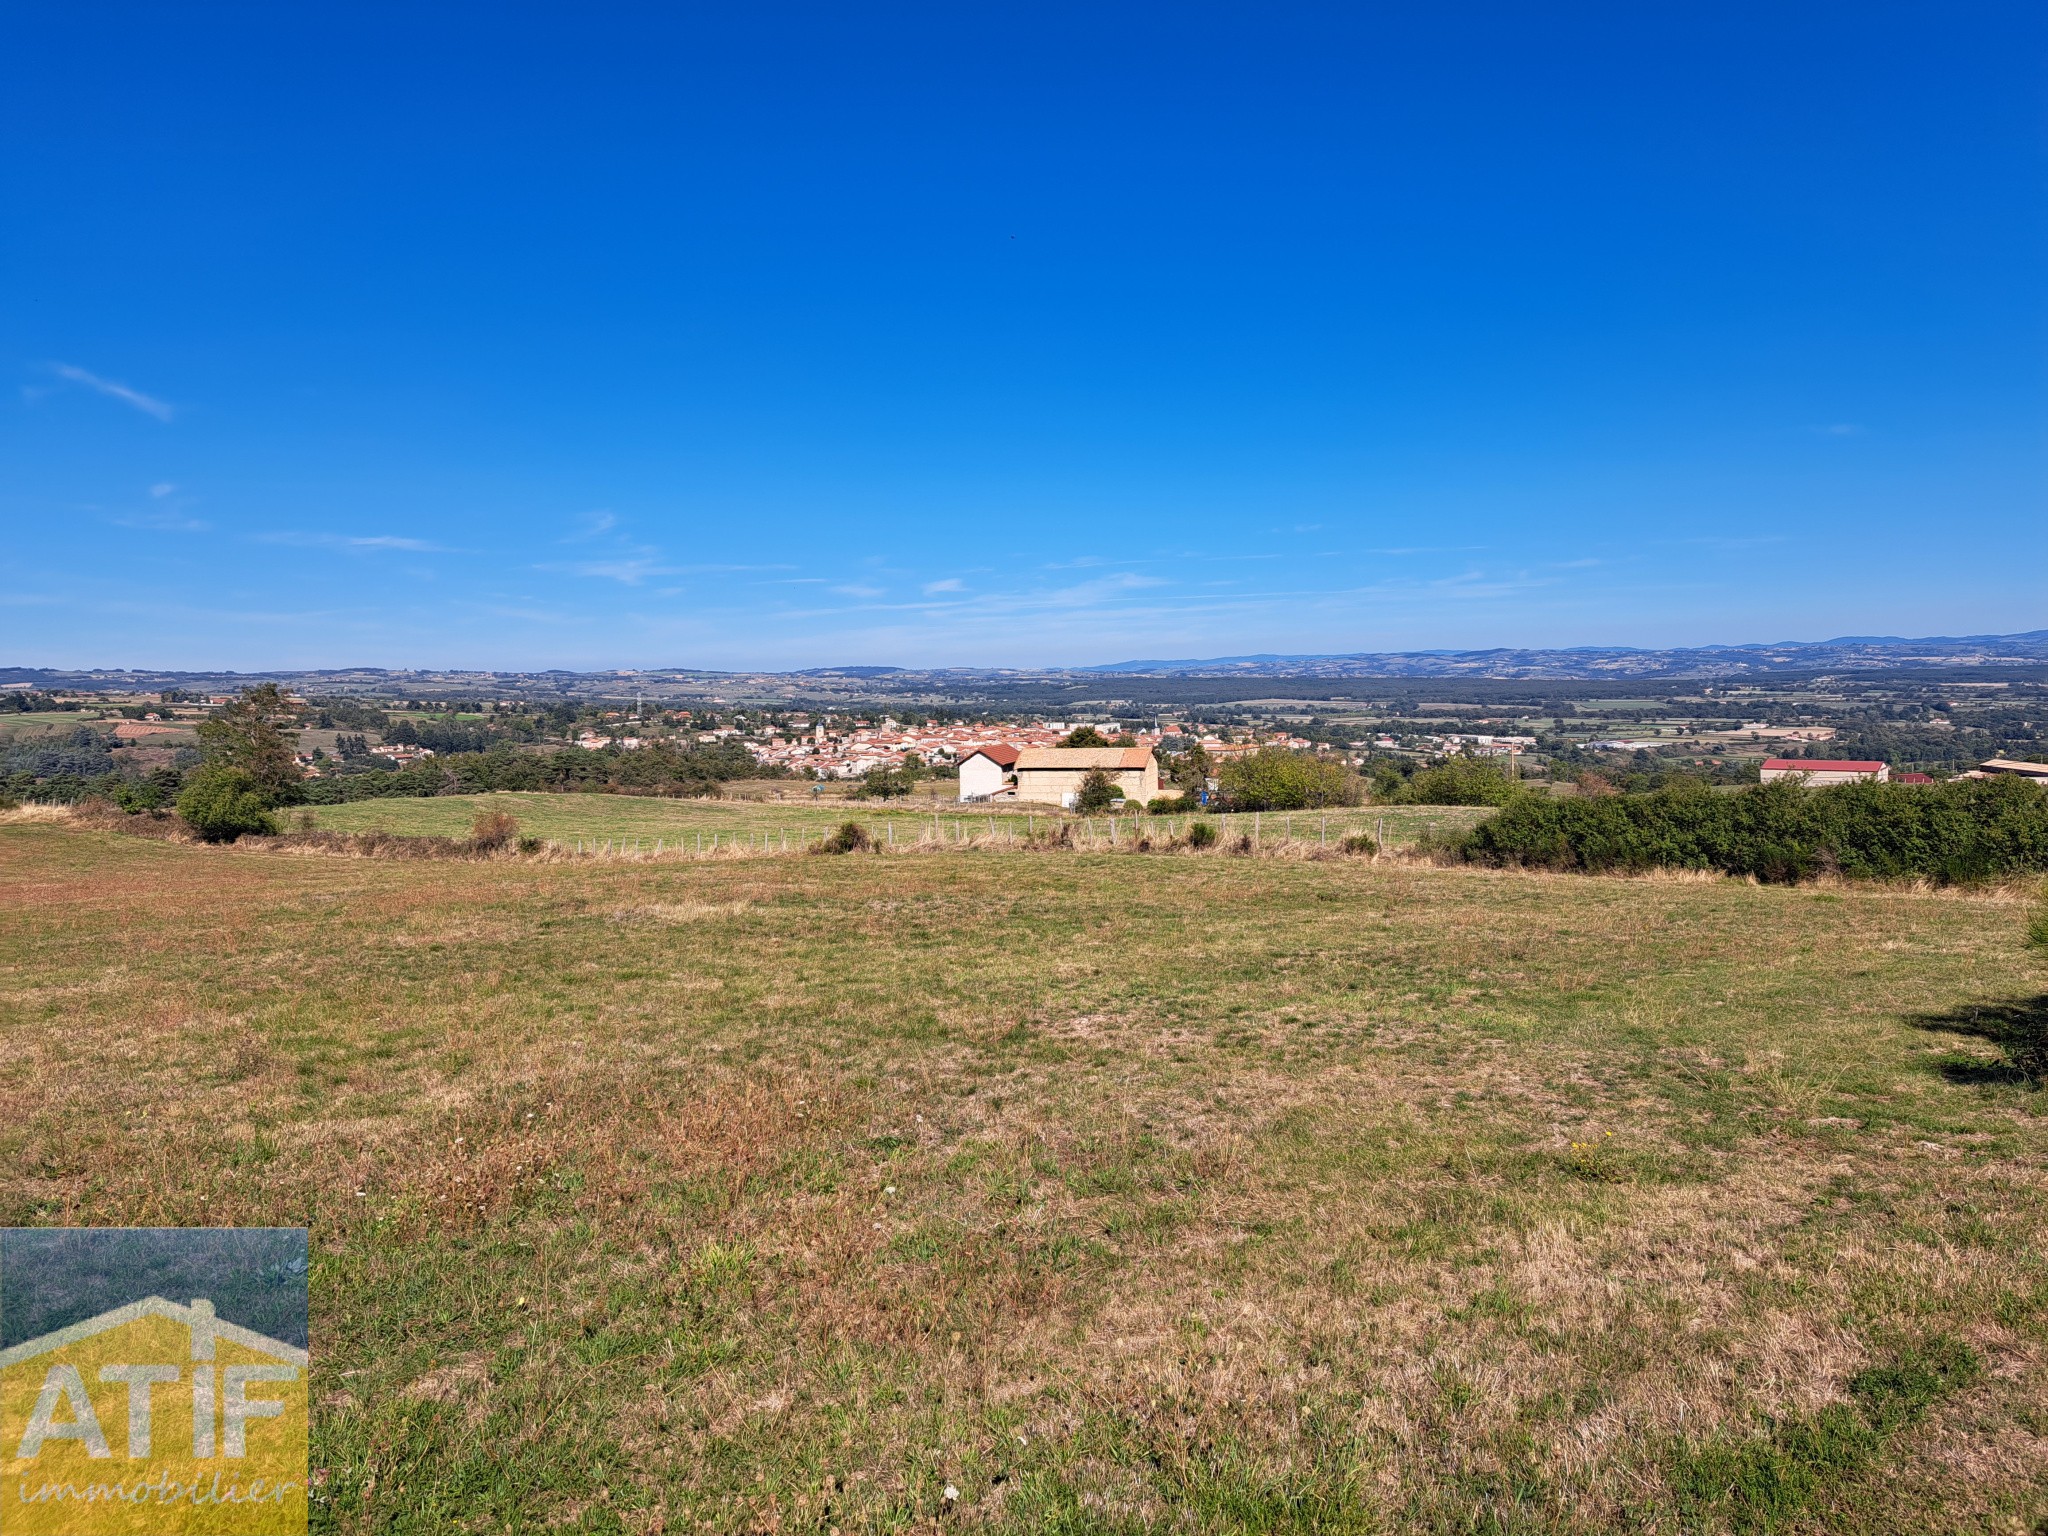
(448, 736)
(246, 769)
(653, 770)
(1275, 779)
(84, 753)
(1963, 830)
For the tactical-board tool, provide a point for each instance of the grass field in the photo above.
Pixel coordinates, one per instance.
(1110, 1194)
(680, 823)
(47, 723)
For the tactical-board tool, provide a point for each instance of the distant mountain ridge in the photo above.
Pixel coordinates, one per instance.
(1587, 662)
(1563, 664)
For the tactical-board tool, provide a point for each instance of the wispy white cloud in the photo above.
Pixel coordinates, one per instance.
(950, 584)
(855, 590)
(168, 515)
(164, 522)
(1426, 549)
(149, 405)
(591, 524)
(627, 570)
(635, 564)
(1745, 541)
(367, 542)
(1088, 594)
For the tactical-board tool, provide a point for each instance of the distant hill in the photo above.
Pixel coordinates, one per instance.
(1589, 662)
(934, 685)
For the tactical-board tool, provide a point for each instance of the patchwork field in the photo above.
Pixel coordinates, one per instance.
(680, 824)
(1039, 1192)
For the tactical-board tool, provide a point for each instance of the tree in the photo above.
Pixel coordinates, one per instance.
(245, 735)
(1461, 781)
(882, 782)
(1385, 778)
(1084, 736)
(152, 792)
(1188, 770)
(221, 802)
(1098, 792)
(1278, 780)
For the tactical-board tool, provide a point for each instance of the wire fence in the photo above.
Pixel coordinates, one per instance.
(1353, 831)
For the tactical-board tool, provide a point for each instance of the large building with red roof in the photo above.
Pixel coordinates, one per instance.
(1825, 770)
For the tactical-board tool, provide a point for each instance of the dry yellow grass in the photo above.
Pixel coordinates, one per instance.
(1117, 1193)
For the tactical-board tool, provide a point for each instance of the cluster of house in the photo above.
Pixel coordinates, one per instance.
(847, 754)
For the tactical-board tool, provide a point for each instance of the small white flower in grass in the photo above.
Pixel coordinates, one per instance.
(952, 1494)
(889, 1189)
(359, 1195)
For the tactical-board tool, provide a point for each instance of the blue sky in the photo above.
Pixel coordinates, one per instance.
(778, 335)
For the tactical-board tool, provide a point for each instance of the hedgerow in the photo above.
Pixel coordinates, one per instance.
(1964, 830)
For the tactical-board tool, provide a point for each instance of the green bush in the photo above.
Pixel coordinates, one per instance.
(884, 783)
(1202, 835)
(1274, 779)
(1966, 829)
(1460, 781)
(221, 803)
(1098, 792)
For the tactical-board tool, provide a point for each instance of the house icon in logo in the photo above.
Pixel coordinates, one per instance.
(153, 1418)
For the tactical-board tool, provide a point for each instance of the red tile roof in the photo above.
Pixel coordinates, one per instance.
(1116, 758)
(1002, 755)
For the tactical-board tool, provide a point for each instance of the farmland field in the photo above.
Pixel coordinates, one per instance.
(1035, 1192)
(47, 723)
(567, 818)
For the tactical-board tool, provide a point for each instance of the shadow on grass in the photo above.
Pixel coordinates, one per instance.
(2019, 1028)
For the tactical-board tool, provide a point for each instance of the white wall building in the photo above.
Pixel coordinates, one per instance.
(985, 770)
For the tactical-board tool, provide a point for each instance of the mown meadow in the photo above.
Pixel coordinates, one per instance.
(1061, 1191)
